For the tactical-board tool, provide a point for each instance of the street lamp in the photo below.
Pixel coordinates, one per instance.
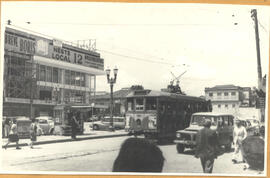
(111, 81)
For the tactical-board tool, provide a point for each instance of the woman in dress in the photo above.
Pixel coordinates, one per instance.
(33, 133)
(239, 134)
(13, 135)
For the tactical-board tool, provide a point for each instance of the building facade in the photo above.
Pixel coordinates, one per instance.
(43, 75)
(225, 98)
(232, 99)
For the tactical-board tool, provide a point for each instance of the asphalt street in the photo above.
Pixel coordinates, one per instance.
(99, 155)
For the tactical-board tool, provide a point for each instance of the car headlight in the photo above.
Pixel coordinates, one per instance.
(178, 135)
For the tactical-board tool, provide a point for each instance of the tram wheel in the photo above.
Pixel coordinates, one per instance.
(180, 148)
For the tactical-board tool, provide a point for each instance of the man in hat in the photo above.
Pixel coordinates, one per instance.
(206, 146)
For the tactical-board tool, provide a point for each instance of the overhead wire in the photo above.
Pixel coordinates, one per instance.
(105, 51)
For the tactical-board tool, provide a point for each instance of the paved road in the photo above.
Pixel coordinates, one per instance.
(98, 156)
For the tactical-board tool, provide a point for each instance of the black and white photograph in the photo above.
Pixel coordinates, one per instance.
(109, 88)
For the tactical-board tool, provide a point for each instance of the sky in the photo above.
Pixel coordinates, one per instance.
(214, 44)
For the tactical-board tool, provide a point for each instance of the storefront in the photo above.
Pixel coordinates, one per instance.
(46, 74)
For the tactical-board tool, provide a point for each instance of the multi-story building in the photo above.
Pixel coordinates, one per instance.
(232, 99)
(224, 98)
(42, 75)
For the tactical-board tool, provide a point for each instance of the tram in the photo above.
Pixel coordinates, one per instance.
(158, 115)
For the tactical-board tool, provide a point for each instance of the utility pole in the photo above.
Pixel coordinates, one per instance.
(259, 68)
(260, 92)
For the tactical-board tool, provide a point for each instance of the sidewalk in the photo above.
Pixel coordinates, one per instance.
(47, 139)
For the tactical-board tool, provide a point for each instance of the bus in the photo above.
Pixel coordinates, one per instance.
(158, 115)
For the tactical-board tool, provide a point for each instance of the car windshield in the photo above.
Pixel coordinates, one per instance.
(199, 120)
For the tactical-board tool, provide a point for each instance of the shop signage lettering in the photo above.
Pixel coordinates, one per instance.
(19, 44)
(66, 55)
(61, 54)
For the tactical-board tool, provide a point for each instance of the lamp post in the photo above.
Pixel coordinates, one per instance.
(111, 81)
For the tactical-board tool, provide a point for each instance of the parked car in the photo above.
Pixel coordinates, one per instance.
(46, 124)
(93, 119)
(221, 123)
(103, 124)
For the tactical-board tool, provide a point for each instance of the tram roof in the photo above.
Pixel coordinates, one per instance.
(153, 93)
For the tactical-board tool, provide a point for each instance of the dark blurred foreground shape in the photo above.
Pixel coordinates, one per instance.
(138, 155)
(253, 152)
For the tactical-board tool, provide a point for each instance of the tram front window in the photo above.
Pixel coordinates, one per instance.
(151, 104)
(139, 104)
(130, 104)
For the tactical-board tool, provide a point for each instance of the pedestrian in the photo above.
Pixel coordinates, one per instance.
(239, 134)
(74, 126)
(33, 133)
(13, 135)
(207, 146)
(7, 124)
(138, 155)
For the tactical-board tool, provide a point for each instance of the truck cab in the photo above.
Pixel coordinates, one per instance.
(221, 123)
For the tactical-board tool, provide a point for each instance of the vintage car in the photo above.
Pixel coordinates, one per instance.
(221, 123)
(103, 124)
(46, 124)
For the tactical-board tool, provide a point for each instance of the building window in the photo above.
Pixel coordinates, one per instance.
(219, 94)
(233, 93)
(210, 94)
(67, 77)
(60, 75)
(49, 74)
(78, 79)
(226, 106)
(233, 105)
(42, 73)
(82, 80)
(72, 77)
(55, 75)
(219, 106)
(226, 94)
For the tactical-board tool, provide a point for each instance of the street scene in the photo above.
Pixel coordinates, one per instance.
(128, 89)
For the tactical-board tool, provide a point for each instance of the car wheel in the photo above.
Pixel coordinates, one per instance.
(180, 148)
(95, 127)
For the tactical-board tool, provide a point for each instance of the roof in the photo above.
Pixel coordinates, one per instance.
(210, 114)
(117, 94)
(153, 93)
(223, 87)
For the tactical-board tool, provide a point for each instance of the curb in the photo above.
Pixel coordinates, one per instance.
(70, 140)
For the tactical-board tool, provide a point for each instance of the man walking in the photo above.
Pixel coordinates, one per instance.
(206, 146)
